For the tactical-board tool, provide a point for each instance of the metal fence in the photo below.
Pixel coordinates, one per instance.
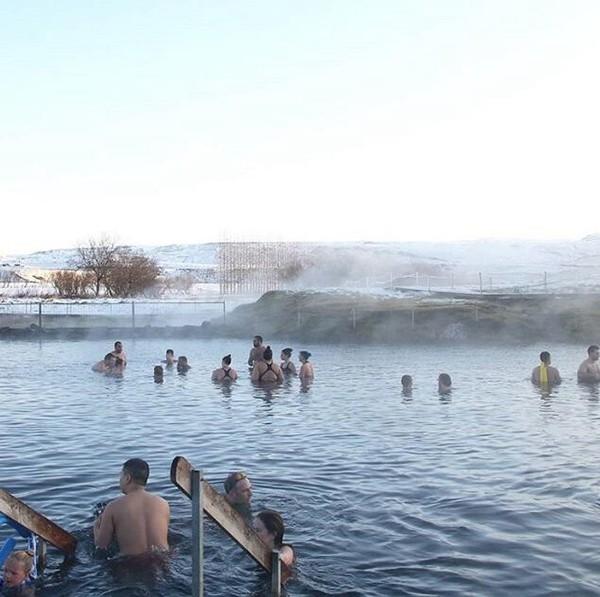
(86, 314)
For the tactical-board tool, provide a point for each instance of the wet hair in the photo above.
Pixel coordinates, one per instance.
(259, 338)
(445, 379)
(118, 342)
(170, 351)
(274, 524)
(405, 380)
(158, 370)
(182, 360)
(592, 348)
(544, 356)
(305, 354)
(109, 356)
(227, 359)
(138, 469)
(287, 352)
(268, 354)
(25, 558)
(232, 479)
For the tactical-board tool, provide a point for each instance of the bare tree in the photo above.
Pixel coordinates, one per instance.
(70, 284)
(98, 257)
(132, 273)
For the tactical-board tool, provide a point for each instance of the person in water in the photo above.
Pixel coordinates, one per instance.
(159, 374)
(306, 368)
(270, 529)
(138, 521)
(119, 353)
(543, 374)
(238, 493)
(256, 352)
(287, 365)
(267, 371)
(589, 370)
(182, 365)
(170, 359)
(444, 383)
(225, 372)
(117, 370)
(17, 581)
(407, 384)
(106, 365)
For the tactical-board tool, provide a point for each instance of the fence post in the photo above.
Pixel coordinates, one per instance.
(476, 313)
(133, 315)
(40, 315)
(412, 319)
(353, 318)
(298, 319)
(224, 313)
(197, 536)
(275, 573)
(480, 283)
(545, 281)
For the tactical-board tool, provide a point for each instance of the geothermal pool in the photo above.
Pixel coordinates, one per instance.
(493, 490)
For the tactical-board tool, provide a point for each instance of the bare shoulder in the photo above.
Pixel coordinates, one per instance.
(286, 553)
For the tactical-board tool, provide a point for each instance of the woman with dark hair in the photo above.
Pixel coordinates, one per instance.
(287, 365)
(306, 368)
(266, 371)
(225, 372)
(269, 526)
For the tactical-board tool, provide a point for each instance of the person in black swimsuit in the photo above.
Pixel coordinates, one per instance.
(225, 372)
(267, 371)
(287, 366)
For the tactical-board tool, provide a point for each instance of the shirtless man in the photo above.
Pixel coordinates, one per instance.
(589, 370)
(170, 359)
(139, 521)
(238, 493)
(544, 374)
(119, 353)
(267, 371)
(256, 352)
(225, 372)
(106, 365)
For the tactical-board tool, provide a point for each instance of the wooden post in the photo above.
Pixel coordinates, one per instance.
(41, 556)
(133, 315)
(275, 574)
(197, 535)
(40, 315)
(39, 525)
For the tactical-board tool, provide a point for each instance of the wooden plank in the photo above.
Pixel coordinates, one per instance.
(27, 517)
(219, 510)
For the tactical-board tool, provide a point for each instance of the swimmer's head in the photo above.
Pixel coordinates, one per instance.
(268, 354)
(257, 341)
(158, 371)
(17, 568)
(286, 353)
(545, 357)
(238, 489)
(444, 381)
(594, 352)
(304, 356)
(170, 353)
(226, 359)
(269, 526)
(118, 346)
(135, 474)
(406, 381)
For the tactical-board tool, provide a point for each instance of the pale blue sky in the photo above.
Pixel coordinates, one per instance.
(180, 121)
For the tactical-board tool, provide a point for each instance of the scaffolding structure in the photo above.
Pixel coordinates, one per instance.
(256, 267)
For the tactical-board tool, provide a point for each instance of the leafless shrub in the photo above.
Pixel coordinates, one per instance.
(72, 284)
(97, 258)
(132, 273)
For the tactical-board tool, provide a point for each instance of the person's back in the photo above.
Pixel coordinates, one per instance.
(267, 371)
(139, 521)
(225, 372)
